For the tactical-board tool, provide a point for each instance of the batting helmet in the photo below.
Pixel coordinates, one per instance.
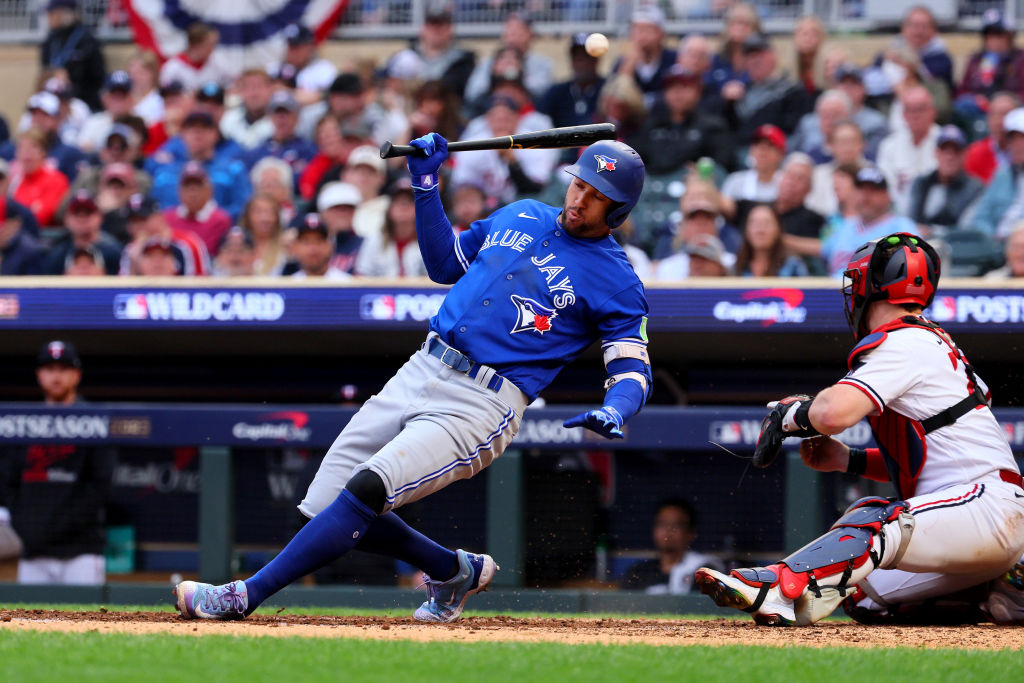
(615, 170)
(900, 269)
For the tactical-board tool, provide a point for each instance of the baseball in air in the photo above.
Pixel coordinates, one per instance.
(596, 44)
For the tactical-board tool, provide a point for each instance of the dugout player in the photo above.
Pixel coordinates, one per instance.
(958, 518)
(533, 286)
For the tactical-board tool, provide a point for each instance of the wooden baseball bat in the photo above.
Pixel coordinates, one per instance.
(569, 136)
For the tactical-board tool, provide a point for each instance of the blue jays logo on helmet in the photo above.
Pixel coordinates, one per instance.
(532, 315)
(605, 163)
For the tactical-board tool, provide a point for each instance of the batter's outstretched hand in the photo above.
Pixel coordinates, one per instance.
(433, 150)
(605, 421)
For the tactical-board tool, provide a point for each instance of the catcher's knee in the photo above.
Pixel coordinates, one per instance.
(368, 487)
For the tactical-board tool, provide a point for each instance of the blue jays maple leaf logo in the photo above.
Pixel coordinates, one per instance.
(532, 315)
(605, 163)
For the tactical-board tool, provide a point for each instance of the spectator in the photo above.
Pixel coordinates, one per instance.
(741, 22)
(198, 211)
(815, 129)
(248, 124)
(144, 72)
(262, 220)
(83, 221)
(199, 63)
(760, 183)
(646, 58)
(622, 103)
(905, 71)
(118, 181)
(435, 109)
(847, 148)
(506, 173)
(435, 54)
(120, 149)
(117, 101)
(283, 143)
(872, 124)
(789, 206)
(230, 179)
(13, 207)
(910, 152)
(177, 103)
(337, 207)
(208, 100)
(157, 257)
(311, 73)
(941, 199)
(335, 143)
(20, 252)
(694, 55)
(1014, 250)
(44, 110)
(671, 572)
(368, 173)
(984, 156)
(768, 99)
(71, 112)
(701, 217)
(574, 102)
(516, 33)
(998, 66)
(708, 257)
(273, 177)
(808, 38)
(71, 51)
(236, 254)
(1001, 206)
(394, 252)
(37, 185)
(469, 204)
(346, 101)
(506, 65)
(919, 34)
(145, 222)
(85, 262)
(875, 219)
(677, 133)
(314, 250)
(57, 494)
(763, 252)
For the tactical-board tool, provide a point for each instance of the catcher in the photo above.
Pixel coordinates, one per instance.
(957, 523)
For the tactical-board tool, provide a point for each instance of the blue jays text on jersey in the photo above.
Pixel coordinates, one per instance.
(532, 297)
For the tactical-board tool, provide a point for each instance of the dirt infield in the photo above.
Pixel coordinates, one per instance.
(490, 629)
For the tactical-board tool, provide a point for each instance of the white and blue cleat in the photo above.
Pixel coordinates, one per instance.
(446, 599)
(196, 600)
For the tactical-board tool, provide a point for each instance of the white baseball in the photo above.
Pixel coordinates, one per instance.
(596, 44)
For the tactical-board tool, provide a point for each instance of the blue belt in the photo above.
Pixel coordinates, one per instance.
(460, 362)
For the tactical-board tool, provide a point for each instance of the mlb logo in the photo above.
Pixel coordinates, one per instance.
(131, 307)
(378, 307)
(943, 309)
(726, 432)
(605, 163)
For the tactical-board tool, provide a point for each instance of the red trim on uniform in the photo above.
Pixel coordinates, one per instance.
(1011, 477)
(875, 468)
(867, 393)
(947, 500)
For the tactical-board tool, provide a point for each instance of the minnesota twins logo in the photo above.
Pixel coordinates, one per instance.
(532, 316)
(605, 163)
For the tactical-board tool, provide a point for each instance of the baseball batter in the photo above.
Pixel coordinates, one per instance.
(958, 519)
(533, 286)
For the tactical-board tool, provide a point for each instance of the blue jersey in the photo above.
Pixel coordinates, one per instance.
(533, 297)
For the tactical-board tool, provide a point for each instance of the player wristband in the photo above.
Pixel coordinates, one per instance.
(802, 417)
(424, 183)
(858, 461)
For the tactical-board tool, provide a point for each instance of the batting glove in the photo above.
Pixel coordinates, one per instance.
(423, 165)
(606, 421)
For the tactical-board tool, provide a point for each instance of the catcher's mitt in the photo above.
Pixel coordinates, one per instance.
(769, 441)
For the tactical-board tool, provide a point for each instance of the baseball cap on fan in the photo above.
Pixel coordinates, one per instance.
(59, 352)
(338, 194)
(297, 34)
(648, 14)
(367, 155)
(1013, 122)
(44, 101)
(771, 133)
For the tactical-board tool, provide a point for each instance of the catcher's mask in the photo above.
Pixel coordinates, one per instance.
(900, 269)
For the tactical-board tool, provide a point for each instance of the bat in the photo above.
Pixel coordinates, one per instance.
(552, 138)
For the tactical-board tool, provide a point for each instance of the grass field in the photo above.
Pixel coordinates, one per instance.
(30, 655)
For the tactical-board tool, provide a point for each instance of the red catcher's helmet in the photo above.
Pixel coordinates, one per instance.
(909, 275)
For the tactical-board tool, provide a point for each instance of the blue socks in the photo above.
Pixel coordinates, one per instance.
(390, 535)
(325, 538)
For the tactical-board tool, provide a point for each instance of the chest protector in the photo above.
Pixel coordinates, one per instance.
(900, 438)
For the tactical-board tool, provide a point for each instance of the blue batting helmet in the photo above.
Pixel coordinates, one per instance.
(615, 170)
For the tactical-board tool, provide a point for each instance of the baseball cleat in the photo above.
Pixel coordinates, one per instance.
(196, 600)
(755, 593)
(1005, 603)
(446, 599)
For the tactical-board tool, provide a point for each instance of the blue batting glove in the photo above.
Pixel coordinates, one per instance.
(433, 150)
(606, 421)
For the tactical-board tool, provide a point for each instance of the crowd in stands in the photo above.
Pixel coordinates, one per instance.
(757, 165)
